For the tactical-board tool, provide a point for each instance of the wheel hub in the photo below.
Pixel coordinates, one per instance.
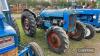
(75, 34)
(88, 32)
(54, 40)
(26, 24)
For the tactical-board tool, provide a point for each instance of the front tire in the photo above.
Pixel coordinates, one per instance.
(36, 49)
(90, 32)
(57, 40)
(79, 32)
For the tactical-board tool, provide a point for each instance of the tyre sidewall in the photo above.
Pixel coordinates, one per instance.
(92, 31)
(32, 29)
(62, 47)
(82, 31)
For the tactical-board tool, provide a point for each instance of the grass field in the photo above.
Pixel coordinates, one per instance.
(42, 42)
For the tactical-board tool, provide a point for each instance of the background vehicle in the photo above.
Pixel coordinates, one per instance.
(90, 16)
(9, 36)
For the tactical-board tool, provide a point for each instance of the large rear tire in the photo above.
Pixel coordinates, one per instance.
(79, 32)
(28, 23)
(57, 39)
(90, 32)
(36, 49)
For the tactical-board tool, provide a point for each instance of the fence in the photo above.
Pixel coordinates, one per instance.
(18, 8)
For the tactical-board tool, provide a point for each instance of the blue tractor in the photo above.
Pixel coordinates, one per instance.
(9, 36)
(91, 17)
(58, 24)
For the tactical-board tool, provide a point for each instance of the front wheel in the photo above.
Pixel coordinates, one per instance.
(79, 32)
(36, 49)
(90, 32)
(57, 40)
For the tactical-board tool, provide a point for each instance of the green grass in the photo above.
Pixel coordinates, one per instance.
(42, 42)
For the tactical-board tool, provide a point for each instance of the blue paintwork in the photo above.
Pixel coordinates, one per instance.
(95, 12)
(66, 24)
(55, 12)
(8, 18)
(46, 25)
(6, 30)
(1, 21)
(63, 13)
(4, 50)
(87, 11)
(27, 50)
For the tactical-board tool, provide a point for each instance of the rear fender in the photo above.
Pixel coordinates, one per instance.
(30, 12)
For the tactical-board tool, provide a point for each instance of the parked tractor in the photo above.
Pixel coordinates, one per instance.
(58, 24)
(9, 36)
(90, 17)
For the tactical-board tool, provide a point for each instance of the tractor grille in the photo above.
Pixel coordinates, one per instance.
(6, 42)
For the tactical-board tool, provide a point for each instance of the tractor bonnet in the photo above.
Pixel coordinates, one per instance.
(5, 29)
(87, 11)
(56, 12)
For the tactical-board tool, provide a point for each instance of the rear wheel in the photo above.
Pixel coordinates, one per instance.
(36, 49)
(28, 23)
(57, 40)
(90, 32)
(79, 32)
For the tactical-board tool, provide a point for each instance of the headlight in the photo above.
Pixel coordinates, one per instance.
(94, 17)
(6, 42)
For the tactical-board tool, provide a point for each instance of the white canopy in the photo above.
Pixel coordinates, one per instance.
(3, 5)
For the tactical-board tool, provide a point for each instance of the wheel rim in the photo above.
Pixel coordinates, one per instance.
(97, 29)
(54, 40)
(26, 25)
(88, 32)
(76, 34)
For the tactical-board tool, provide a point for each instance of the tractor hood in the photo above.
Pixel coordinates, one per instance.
(87, 11)
(7, 30)
(55, 12)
